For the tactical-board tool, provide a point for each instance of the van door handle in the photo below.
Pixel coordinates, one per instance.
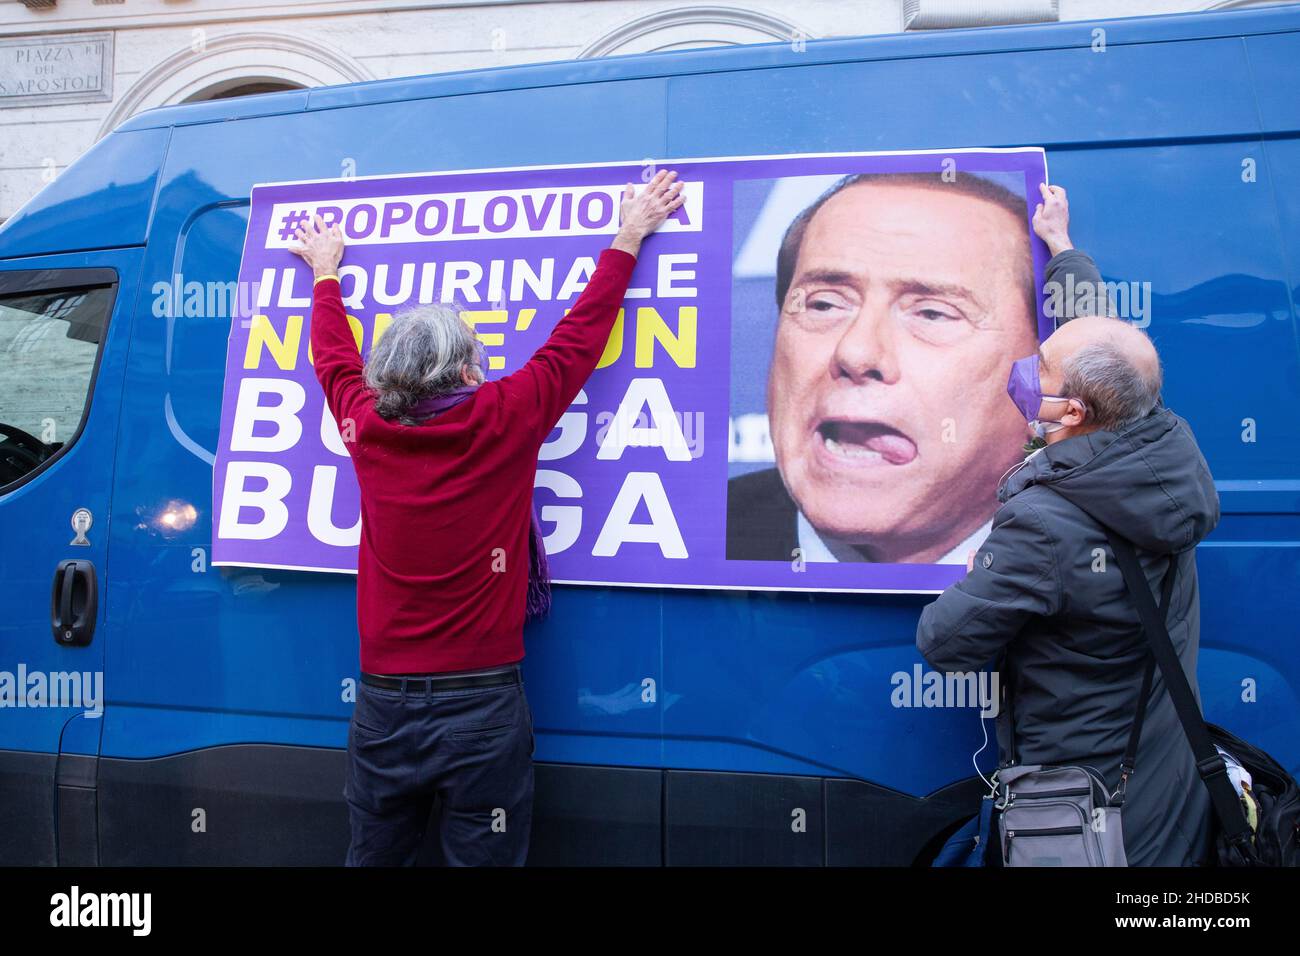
(74, 603)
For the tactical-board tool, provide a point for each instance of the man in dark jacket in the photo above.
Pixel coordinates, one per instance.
(1044, 596)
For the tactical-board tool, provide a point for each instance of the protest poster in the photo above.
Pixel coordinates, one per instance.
(805, 389)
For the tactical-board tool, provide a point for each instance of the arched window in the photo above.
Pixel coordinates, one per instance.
(692, 27)
(236, 64)
(242, 87)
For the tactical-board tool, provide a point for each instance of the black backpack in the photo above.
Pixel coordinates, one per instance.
(1277, 831)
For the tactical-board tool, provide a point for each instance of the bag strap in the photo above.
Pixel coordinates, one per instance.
(1129, 762)
(1209, 763)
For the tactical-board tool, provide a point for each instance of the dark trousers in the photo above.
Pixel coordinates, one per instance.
(471, 749)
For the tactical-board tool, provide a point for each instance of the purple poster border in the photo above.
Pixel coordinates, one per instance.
(689, 485)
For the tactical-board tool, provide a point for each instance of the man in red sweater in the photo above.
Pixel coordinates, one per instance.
(450, 558)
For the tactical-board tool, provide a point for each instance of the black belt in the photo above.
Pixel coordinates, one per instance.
(440, 682)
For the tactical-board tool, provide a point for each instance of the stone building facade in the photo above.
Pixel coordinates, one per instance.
(72, 70)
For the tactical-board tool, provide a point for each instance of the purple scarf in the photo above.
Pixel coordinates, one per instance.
(539, 575)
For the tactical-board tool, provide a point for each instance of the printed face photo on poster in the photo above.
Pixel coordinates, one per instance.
(875, 318)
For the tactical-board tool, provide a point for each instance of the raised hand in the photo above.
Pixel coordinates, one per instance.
(320, 246)
(642, 213)
(1052, 219)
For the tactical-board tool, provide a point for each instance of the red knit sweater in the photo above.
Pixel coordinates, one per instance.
(442, 572)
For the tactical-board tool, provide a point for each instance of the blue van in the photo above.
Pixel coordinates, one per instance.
(157, 710)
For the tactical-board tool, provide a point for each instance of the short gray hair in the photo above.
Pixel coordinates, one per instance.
(1116, 391)
(421, 354)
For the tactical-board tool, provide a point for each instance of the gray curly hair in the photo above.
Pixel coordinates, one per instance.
(420, 355)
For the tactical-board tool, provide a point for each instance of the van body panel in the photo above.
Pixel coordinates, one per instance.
(102, 201)
(36, 530)
(62, 686)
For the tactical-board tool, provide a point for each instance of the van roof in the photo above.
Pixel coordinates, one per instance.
(1039, 36)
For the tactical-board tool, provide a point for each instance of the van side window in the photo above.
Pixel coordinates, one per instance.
(49, 344)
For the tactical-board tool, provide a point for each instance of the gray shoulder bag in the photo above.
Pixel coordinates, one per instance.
(1064, 816)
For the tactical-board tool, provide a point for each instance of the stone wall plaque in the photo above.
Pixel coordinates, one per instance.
(56, 68)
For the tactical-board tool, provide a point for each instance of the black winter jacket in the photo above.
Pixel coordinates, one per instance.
(1047, 602)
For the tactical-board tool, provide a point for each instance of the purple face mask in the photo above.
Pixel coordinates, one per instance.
(1026, 391)
(1024, 386)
